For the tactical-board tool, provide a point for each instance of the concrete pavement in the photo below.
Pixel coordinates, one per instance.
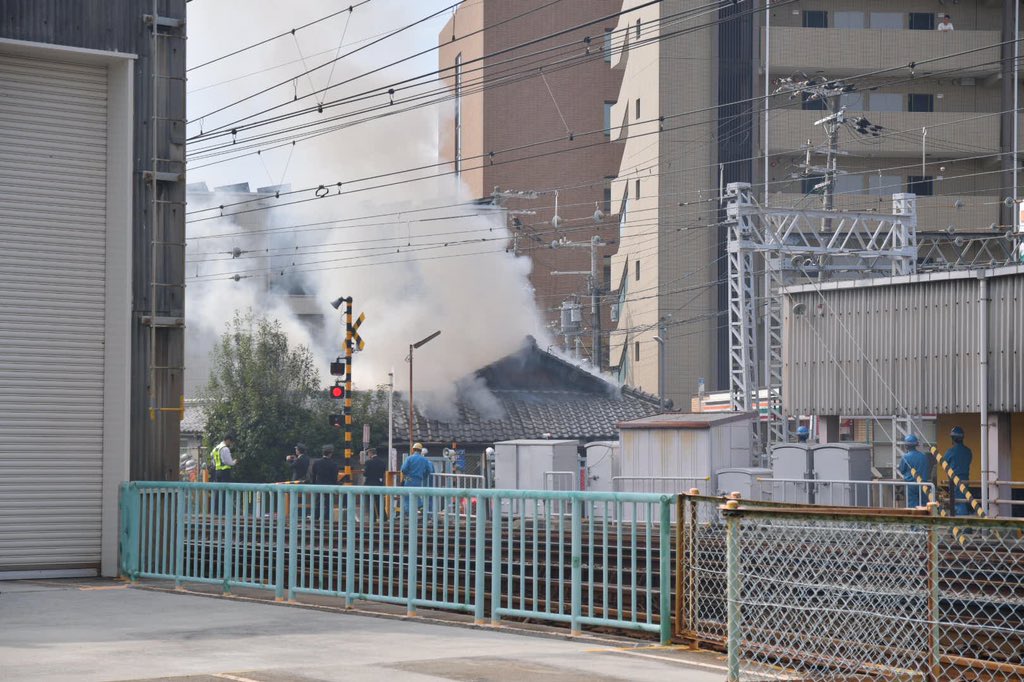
(108, 632)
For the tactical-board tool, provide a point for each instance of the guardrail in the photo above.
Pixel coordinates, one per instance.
(847, 493)
(562, 480)
(568, 557)
(457, 481)
(1010, 504)
(670, 485)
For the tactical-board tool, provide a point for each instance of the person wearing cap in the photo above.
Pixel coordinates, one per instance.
(802, 434)
(417, 469)
(959, 459)
(298, 463)
(914, 460)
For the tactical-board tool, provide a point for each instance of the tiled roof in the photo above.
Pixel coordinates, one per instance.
(195, 417)
(540, 396)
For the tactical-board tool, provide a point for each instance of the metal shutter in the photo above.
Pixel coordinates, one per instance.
(53, 177)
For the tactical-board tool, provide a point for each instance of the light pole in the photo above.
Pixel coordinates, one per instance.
(412, 413)
(392, 460)
(661, 371)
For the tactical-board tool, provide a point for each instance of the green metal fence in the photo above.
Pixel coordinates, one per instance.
(584, 559)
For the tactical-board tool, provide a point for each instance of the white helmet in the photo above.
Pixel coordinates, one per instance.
(489, 452)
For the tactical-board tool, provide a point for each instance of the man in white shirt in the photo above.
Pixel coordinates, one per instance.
(945, 24)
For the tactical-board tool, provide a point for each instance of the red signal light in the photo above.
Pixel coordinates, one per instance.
(337, 391)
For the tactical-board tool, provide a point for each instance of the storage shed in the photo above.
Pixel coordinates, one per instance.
(688, 447)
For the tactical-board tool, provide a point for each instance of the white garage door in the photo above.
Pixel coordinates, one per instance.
(53, 175)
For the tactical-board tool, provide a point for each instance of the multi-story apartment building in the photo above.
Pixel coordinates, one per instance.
(546, 98)
(691, 114)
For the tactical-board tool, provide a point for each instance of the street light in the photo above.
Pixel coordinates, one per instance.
(661, 371)
(412, 413)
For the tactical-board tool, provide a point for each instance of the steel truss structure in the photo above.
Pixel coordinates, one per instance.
(797, 246)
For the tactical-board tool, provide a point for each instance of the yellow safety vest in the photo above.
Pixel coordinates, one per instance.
(217, 464)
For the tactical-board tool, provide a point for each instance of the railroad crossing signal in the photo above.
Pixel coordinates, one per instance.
(356, 339)
(342, 367)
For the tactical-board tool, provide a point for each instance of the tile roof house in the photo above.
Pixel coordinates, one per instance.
(529, 394)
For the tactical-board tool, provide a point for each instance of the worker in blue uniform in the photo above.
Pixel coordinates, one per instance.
(959, 459)
(919, 462)
(416, 471)
(802, 434)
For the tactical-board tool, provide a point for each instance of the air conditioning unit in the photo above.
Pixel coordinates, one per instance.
(615, 312)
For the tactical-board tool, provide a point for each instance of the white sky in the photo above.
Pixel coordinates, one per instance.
(218, 27)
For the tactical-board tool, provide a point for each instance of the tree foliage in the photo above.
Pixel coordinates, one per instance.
(271, 397)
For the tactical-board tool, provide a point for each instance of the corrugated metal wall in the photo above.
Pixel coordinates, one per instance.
(904, 348)
(118, 26)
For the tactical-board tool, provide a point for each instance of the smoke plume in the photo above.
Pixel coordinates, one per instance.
(414, 256)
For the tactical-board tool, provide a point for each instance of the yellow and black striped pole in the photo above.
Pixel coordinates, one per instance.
(347, 409)
(957, 483)
(932, 500)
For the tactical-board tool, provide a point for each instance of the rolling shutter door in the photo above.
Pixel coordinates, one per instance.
(53, 176)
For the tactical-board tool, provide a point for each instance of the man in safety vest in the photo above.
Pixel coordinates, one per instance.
(222, 460)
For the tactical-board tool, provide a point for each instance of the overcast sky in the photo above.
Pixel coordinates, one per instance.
(217, 28)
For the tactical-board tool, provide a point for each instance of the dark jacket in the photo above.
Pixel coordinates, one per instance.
(299, 467)
(374, 471)
(324, 471)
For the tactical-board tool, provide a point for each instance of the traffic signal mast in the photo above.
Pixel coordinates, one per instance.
(342, 368)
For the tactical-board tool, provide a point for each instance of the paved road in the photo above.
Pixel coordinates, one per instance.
(100, 631)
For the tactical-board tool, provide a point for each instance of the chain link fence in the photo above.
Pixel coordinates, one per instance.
(840, 596)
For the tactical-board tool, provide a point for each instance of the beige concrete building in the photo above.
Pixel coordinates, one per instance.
(551, 107)
(690, 114)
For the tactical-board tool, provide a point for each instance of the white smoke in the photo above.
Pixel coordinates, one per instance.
(412, 271)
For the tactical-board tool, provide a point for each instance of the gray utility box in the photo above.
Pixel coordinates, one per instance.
(745, 481)
(829, 462)
(602, 465)
(522, 464)
(684, 450)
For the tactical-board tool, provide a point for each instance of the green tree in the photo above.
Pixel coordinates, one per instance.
(270, 396)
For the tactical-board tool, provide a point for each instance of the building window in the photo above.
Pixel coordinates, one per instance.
(917, 102)
(809, 184)
(638, 29)
(815, 19)
(922, 21)
(638, 108)
(813, 104)
(608, 33)
(884, 185)
(852, 101)
(458, 113)
(848, 19)
(607, 273)
(607, 208)
(921, 185)
(886, 101)
(849, 184)
(637, 271)
(887, 20)
(636, 351)
(636, 194)
(608, 118)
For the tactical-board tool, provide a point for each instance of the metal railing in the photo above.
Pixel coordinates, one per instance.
(669, 485)
(1010, 506)
(562, 480)
(566, 557)
(457, 481)
(878, 494)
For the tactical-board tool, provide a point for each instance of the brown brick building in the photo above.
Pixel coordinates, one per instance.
(504, 102)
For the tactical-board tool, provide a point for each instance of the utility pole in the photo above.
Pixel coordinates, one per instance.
(594, 286)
